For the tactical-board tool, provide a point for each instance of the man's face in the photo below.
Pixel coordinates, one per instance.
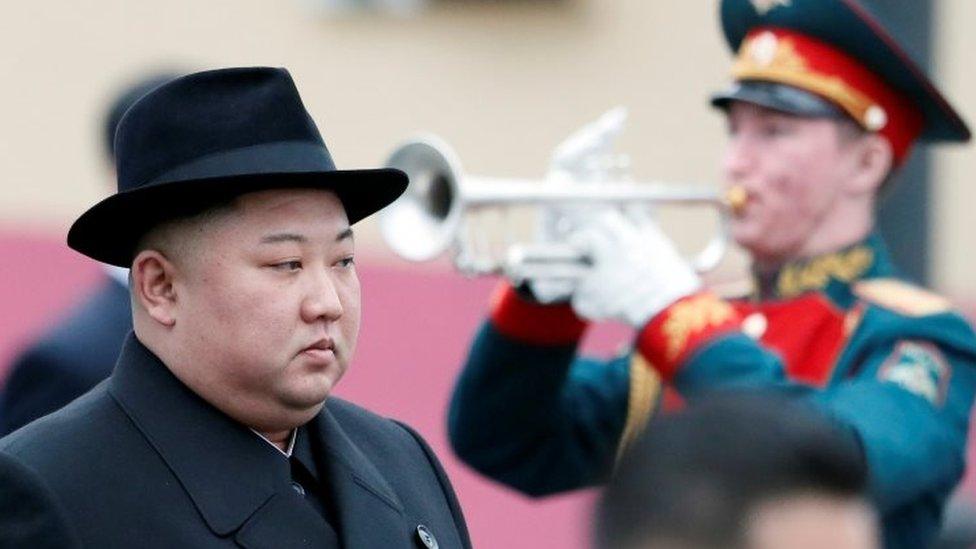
(269, 305)
(794, 170)
(813, 522)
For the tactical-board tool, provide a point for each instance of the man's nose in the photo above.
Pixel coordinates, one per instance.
(322, 298)
(739, 159)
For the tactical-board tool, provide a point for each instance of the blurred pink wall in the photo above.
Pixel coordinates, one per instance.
(416, 328)
(39, 278)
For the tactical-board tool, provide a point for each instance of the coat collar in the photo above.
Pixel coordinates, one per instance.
(236, 480)
(832, 273)
(370, 513)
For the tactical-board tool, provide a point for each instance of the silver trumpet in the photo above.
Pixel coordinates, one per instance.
(428, 219)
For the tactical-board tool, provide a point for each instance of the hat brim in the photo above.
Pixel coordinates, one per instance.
(778, 97)
(98, 232)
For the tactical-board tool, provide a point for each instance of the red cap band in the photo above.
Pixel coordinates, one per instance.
(784, 56)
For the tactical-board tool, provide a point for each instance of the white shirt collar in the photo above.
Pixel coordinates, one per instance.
(119, 274)
(291, 442)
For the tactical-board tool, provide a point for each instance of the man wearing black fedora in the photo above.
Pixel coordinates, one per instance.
(216, 428)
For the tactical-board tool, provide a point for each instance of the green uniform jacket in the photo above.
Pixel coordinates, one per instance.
(889, 360)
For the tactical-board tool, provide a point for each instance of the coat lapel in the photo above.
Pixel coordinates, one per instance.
(236, 480)
(370, 513)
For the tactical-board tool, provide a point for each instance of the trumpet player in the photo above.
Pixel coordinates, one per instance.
(824, 107)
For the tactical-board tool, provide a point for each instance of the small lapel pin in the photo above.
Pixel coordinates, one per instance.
(426, 537)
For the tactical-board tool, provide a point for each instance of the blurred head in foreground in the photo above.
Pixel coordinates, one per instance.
(739, 472)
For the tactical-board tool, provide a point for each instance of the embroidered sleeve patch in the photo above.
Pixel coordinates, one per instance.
(918, 367)
(691, 316)
(683, 327)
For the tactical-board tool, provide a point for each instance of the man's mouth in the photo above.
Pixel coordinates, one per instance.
(323, 349)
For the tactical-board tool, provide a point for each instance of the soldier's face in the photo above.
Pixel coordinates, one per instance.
(794, 171)
(270, 306)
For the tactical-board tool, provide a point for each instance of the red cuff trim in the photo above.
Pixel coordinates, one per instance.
(521, 319)
(671, 336)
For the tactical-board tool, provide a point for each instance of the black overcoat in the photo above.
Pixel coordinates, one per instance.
(142, 462)
(29, 515)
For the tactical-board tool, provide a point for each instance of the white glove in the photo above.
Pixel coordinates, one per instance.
(636, 272)
(586, 155)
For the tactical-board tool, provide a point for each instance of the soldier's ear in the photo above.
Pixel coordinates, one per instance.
(873, 163)
(153, 287)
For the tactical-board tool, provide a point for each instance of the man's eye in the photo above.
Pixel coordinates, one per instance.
(287, 265)
(777, 129)
(346, 262)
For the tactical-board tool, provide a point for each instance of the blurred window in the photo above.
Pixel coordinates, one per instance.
(380, 6)
(399, 7)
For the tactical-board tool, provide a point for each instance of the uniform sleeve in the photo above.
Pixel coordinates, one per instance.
(697, 345)
(909, 399)
(536, 417)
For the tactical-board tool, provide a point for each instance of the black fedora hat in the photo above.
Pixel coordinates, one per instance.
(208, 137)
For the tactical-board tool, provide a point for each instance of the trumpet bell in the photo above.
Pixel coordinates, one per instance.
(423, 222)
(433, 214)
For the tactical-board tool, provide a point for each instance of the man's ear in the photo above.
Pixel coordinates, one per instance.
(873, 163)
(153, 286)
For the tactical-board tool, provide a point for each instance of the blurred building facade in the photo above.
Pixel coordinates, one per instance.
(503, 81)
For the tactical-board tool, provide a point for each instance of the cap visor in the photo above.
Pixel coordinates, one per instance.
(778, 97)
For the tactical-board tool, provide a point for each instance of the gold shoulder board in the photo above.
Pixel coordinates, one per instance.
(901, 297)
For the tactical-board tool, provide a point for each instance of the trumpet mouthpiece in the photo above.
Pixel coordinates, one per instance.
(736, 198)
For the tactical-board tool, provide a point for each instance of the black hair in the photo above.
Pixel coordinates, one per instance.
(206, 207)
(693, 478)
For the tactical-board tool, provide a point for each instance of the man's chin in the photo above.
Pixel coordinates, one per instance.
(749, 236)
(308, 398)
(313, 391)
(757, 242)
(301, 410)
